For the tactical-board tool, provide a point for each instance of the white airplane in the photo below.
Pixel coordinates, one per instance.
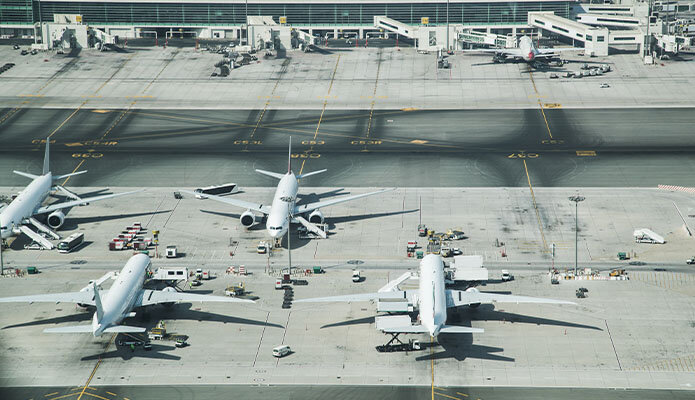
(22, 211)
(432, 299)
(526, 51)
(117, 303)
(284, 209)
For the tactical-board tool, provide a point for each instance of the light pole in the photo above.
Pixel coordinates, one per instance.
(290, 203)
(447, 26)
(576, 199)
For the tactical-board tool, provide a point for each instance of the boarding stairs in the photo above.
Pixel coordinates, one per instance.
(311, 227)
(45, 243)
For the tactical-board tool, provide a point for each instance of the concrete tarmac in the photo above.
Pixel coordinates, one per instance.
(342, 392)
(405, 148)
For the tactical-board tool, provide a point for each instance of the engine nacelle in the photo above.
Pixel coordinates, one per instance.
(473, 290)
(316, 217)
(247, 218)
(55, 219)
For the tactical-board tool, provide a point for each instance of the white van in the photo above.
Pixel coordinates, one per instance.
(281, 351)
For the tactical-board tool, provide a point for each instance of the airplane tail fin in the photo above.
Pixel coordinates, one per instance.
(46, 159)
(289, 157)
(97, 302)
(300, 176)
(70, 329)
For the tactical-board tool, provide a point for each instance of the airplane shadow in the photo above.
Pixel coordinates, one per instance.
(314, 197)
(332, 221)
(461, 347)
(487, 312)
(256, 227)
(84, 316)
(72, 223)
(126, 353)
(359, 321)
(184, 311)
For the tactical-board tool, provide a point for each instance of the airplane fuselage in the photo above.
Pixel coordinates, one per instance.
(278, 222)
(24, 205)
(528, 50)
(121, 298)
(432, 294)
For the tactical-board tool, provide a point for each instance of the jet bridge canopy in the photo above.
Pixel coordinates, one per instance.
(596, 39)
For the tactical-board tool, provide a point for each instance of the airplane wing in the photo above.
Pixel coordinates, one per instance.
(151, 297)
(357, 297)
(86, 297)
(456, 298)
(235, 202)
(422, 329)
(320, 204)
(73, 203)
(513, 52)
(545, 52)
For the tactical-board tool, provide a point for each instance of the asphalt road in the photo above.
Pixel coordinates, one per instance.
(405, 148)
(342, 392)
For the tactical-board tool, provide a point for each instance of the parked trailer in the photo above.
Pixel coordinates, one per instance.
(217, 190)
(71, 243)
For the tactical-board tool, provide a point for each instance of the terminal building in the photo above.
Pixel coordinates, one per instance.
(228, 18)
(430, 24)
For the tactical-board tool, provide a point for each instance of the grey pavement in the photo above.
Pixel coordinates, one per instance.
(157, 78)
(485, 148)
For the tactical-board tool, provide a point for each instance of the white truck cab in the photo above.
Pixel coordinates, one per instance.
(356, 276)
(281, 351)
(506, 276)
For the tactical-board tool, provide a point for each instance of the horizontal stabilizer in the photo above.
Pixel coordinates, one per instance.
(300, 176)
(124, 329)
(59, 177)
(270, 174)
(70, 329)
(460, 329)
(25, 174)
(407, 329)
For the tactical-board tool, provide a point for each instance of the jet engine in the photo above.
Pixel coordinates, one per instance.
(247, 218)
(55, 219)
(473, 290)
(316, 217)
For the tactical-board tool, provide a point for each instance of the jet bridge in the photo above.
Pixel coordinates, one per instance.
(596, 39)
(392, 25)
(498, 41)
